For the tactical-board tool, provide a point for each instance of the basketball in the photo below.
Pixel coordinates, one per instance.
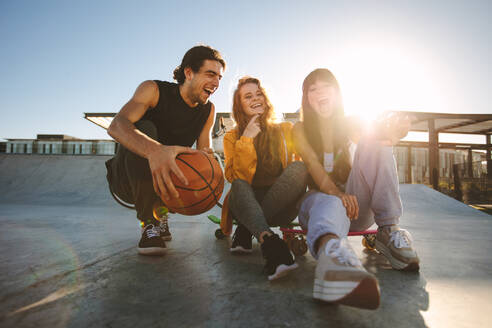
(205, 184)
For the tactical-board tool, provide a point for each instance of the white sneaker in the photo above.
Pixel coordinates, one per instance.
(340, 277)
(396, 245)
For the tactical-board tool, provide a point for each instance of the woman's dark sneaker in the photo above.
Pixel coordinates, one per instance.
(151, 242)
(241, 241)
(279, 260)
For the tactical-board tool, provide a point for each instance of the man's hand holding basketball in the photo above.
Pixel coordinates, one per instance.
(162, 162)
(208, 151)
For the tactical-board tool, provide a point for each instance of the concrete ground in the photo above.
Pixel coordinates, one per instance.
(68, 259)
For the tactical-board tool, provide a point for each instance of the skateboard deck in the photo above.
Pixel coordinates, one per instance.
(216, 220)
(294, 236)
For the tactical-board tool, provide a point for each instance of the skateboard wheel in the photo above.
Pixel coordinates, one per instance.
(219, 234)
(369, 242)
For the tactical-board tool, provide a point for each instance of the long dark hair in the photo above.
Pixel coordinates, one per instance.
(267, 142)
(312, 125)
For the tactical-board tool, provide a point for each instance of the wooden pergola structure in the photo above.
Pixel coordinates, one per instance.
(101, 119)
(436, 123)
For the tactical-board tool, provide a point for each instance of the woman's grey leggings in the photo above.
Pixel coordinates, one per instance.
(258, 209)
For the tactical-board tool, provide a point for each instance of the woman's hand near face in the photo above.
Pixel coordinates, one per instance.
(351, 205)
(253, 127)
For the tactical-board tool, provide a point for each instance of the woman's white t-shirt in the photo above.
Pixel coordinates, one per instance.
(328, 158)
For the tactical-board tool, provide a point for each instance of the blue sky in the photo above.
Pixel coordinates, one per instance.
(59, 59)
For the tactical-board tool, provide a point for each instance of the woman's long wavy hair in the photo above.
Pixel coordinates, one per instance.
(312, 125)
(267, 142)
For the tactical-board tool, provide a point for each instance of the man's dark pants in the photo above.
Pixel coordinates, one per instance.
(129, 177)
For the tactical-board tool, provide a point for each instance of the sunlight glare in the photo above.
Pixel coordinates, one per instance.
(374, 79)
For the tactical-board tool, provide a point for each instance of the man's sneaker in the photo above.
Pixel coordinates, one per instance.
(241, 241)
(396, 245)
(151, 242)
(340, 278)
(279, 260)
(161, 214)
(164, 227)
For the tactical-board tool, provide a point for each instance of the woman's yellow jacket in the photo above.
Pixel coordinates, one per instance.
(240, 163)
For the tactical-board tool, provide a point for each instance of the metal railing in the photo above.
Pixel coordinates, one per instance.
(469, 183)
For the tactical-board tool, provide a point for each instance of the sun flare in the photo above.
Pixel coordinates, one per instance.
(378, 79)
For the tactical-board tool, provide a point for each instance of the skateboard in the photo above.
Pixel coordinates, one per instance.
(294, 236)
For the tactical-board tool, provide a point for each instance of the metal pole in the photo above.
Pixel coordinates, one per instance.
(489, 159)
(409, 164)
(470, 163)
(433, 154)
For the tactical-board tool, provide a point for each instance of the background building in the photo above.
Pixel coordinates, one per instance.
(59, 144)
(461, 170)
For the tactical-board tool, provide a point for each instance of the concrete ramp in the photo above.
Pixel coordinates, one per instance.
(68, 259)
(53, 180)
(420, 197)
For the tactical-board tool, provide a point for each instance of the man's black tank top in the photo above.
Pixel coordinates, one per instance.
(176, 122)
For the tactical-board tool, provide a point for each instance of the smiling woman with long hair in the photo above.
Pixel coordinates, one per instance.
(348, 192)
(266, 182)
